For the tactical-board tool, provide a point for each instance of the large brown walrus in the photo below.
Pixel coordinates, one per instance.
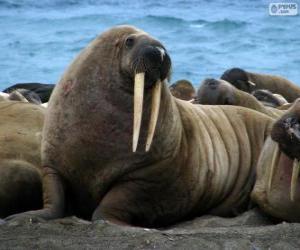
(249, 81)
(133, 154)
(20, 161)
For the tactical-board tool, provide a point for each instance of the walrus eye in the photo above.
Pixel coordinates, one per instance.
(129, 42)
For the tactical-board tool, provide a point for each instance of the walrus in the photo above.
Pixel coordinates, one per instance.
(219, 92)
(183, 89)
(249, 81)
(132, 153)
(278, 168)
(25, 94)
(267, 98)
(43, 90)
(20, 161)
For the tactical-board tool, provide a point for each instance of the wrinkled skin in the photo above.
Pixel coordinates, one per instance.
(183, 90)
(249, 81)
(267, 98)
(20, 160)
(202, 159)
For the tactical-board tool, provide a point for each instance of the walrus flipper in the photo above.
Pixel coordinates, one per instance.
(53, 197)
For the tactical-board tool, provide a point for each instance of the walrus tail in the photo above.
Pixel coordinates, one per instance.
(20, 187)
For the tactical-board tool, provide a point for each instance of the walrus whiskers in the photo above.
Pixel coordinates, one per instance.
(274, 164)
(139, 81)
(156, 96)
(294, 179)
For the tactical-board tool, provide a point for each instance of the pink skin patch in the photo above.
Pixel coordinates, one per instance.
(67, 87)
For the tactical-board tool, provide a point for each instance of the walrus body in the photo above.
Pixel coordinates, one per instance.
(20, 160)
(201, 159)
(249, 81)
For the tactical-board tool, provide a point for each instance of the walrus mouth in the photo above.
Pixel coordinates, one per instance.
(280, 157)
(139, 83)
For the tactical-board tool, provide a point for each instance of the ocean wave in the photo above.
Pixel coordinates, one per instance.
(225, 24)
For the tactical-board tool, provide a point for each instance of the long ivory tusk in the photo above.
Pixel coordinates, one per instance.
(139, 82)
(274, 163)
(294, 179)
(156, 95)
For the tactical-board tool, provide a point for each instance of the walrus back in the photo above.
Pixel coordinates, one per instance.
(20, 141)
(275, 84)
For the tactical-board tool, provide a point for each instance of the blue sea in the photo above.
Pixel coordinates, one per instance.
(38, 39)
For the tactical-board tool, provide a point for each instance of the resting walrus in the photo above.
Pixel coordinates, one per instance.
(183, 90)
(20, 160)
(219, 92)
(269, 99)
(249, 81)
(43, 90)
(133, 154)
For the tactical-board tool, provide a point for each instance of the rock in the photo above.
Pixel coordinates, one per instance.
(251, 230)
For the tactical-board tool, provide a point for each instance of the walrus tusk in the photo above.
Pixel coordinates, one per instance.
(252, 83)
(274, 163)
(294, 179)
(156, 94)
(139, 81)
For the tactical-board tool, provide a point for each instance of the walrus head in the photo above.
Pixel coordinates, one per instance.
(215, 92)
(267, 98)
(147, 61)
(183, 89)
(286, 132)
(238, 78)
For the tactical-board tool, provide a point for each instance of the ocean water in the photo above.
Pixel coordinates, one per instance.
(38, 39)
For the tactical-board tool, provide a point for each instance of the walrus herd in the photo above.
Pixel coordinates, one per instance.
(116, 145)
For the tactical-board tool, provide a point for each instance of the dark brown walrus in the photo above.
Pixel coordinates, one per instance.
(249, 81)
(98, 153)
(20, 141)
(183, 90)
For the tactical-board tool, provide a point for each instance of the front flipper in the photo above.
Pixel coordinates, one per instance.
(53, 197)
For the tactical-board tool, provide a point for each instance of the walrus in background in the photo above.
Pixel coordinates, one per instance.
(278, 168)
(267, 98)
(248, 82)
(20, 161)
(219, 92)
(41, 89)
(133, 154)
(183, 90)
(21, 95)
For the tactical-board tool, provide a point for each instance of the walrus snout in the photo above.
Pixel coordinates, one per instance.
(155, 62)
(286, 131)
